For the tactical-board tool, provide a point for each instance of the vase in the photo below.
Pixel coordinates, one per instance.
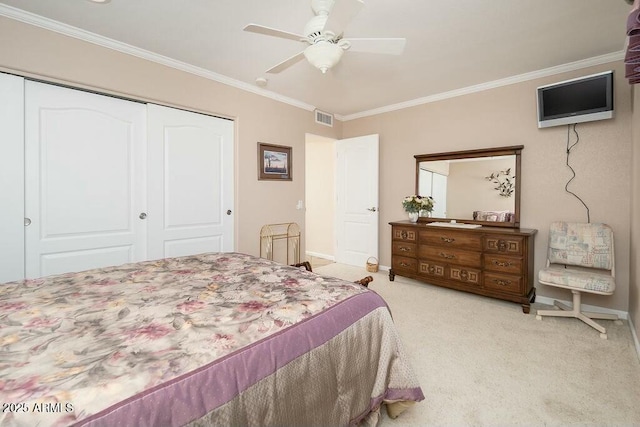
(413, 216)
(425, 214)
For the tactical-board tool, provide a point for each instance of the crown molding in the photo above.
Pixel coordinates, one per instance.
(71, 31)
(68, 30)
(572, 66)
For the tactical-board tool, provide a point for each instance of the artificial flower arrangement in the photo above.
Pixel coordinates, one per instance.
(414, 203)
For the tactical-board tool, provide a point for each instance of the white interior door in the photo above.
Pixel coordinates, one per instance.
(190, 183)
(11, 178)
(84, 180)
(356, 200)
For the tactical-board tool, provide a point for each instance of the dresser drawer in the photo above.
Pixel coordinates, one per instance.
(512, 245)
(465, 275)
(503, 282)
(450, 256)
(404, 249)
(432, 269)
(451, 239)
(503, 264)
(401, 264)
(405, 233)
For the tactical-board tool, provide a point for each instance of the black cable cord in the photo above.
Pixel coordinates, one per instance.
(569, 147)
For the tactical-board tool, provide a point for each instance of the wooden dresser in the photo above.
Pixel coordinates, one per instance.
(491, 261)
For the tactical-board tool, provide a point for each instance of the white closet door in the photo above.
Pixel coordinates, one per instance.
(190, 183)
(11, 178)
(84, 180)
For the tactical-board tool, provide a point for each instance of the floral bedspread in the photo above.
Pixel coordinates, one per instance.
(74, 344)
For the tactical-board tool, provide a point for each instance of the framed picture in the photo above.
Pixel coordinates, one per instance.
(274, 162)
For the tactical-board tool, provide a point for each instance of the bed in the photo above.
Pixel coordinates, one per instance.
(213, 339)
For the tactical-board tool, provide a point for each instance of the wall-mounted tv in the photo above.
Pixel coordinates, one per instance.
(584, 99)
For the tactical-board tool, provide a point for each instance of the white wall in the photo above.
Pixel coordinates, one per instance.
(506, 116)
(634, 294)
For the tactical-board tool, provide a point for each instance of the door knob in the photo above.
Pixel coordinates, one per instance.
(27, 222)
(372, 209)
(228, 211)
(143, 215)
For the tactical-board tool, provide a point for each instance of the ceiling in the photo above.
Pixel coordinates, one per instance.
(451, 45)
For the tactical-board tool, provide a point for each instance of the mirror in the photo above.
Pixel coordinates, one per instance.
(472, 186)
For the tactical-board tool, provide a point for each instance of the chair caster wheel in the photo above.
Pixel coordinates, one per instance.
(538, 317)
(603, 336)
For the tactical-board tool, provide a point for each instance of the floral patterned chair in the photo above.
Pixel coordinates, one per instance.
(580, 258)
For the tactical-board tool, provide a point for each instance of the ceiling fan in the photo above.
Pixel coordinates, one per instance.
(323, 35)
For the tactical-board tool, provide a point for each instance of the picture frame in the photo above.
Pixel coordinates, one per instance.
(274, 162)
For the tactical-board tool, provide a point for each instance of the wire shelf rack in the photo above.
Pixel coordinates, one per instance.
(280, 242)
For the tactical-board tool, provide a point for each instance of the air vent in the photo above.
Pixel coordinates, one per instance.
(324, 118)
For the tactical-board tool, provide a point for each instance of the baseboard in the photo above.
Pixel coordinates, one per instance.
(586, 307)
(635, 337)
(319, 255)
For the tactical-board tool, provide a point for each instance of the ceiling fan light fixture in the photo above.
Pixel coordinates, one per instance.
(323, 55)
(323, 36)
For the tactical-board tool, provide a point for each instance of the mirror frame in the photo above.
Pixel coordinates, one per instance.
(469, 154)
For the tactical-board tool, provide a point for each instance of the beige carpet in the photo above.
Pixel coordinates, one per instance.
(482, 362)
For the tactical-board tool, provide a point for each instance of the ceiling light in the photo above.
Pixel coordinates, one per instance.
(323, 55)
(100, 1)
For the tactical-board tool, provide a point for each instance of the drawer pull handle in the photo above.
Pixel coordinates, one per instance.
(404, 264)
(502, 245)
(502, 264)
(447, 256)
(501, 282)
(447, 239)
(431, 269)
(405, 249)
(464, 275)
(404, 234)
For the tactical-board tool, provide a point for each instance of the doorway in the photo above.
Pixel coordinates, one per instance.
(320, 199)
(341, 190)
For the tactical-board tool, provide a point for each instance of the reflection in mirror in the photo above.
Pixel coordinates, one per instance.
(475, 185)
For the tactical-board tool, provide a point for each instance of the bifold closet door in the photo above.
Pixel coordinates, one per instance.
(84, 180)
(190, 183)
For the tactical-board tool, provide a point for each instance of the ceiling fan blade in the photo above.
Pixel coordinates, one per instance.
(261, 29)
(389, 46)
(342, 12)
(286, 63)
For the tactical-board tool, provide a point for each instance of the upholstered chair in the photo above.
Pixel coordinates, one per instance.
(580, 258)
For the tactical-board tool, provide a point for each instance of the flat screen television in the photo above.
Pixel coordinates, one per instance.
(584, 99)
